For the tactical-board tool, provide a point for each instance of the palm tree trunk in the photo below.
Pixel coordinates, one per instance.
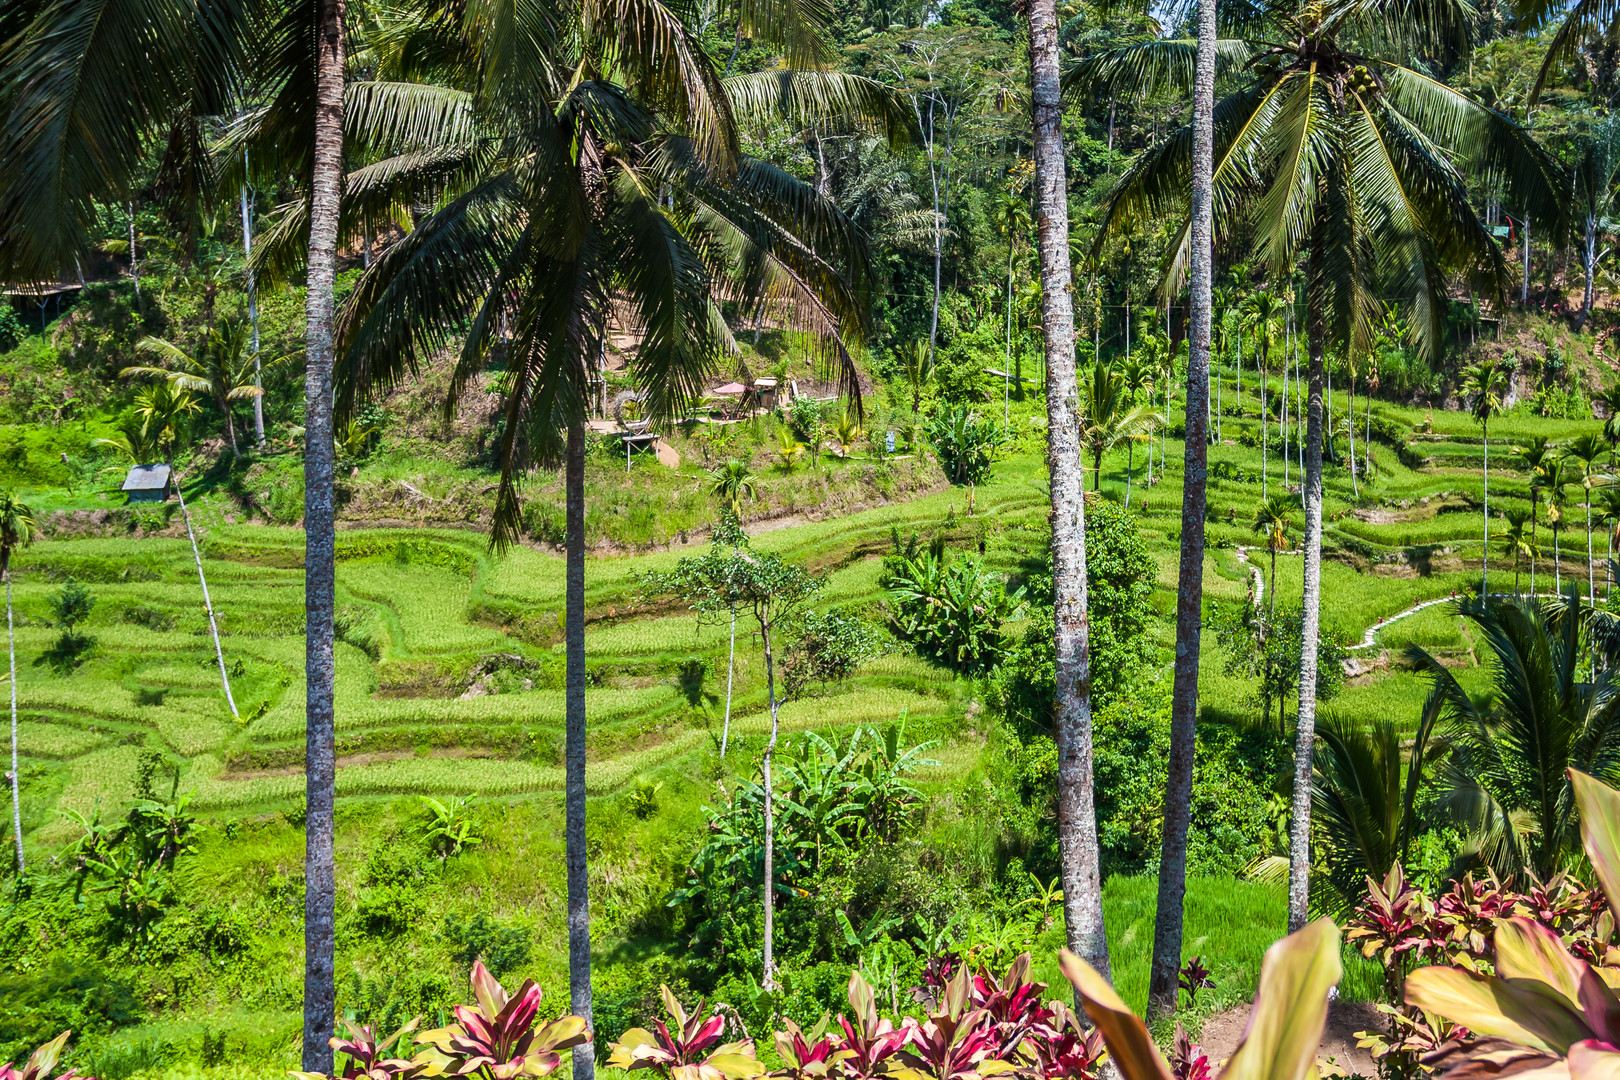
(1265, 456)
(208, 605)
(253, 309)
(1299, 835)
(579, 901)
(1589, 264)
(1077, 820)
(1485, 502)
(731, 667)
(1533, 502)
(1271, 615)
(14, 777)
(1130, 469)
(134, 264)
(320, 757)
(1168, 920)
(1591, 576)
(1350, 436)
(768, 975)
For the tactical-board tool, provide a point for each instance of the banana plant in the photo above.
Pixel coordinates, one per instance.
(1545, 1007)
(684, 1053)
(1285, 1025)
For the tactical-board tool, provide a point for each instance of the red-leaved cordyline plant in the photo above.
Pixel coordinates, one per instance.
(1060, 1048)
(41, 1062)
(868, 1041)
(496, 1039)
(956, 1042)
(1543, 1010)
(807, 1055)
(1187, 1059)
(367, 1058)
(683, 1054)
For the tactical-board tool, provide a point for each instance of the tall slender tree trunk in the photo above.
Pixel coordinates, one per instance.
(1533, 548)
(768, 965)
(731, 667)
(1299, 832)
(1591, 577)
(1168, 921)
(1130, 468)
(320, 756)
(134, 263)
(1265, 415)
(1271, 615)
(1077, 819)
(1350, 437)
(1485, 508)
(253, 309)
(15, 775)
(208, 605)
(579, 898)
(1589, 264)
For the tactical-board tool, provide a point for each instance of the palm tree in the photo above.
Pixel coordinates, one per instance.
(323, 210)
(1010, 215)
(1484, 383)
(633, 186)
(1610, 400)
(1509, 770)
(1167, 930)
(222, 367)
(1555, 483)
(1586, 451)
(1273, 521)
(1364, 791)
(1609, 502)
(917, 362)
(18, 528)
(1262, 318)
(1108, 417)
(1328, 155)
(1138, 373)
(1071, 711)
(1536, 453)
(1517, 542)
(731, 482)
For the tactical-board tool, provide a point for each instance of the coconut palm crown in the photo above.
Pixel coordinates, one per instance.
(1331, 144)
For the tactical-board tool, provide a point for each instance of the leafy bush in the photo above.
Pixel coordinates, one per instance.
(35, 1005)
(950, 609)
(70, 605)
(828, 649)
(965, 442)
(1120, 576)
(501, 947)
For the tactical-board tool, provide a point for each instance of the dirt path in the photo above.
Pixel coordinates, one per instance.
(1223, 1031)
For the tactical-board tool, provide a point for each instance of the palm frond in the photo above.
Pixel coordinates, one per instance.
(825, 100)
(1148, 69)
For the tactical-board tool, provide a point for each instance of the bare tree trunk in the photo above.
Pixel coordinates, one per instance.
(253, 309)
(1168, 921)
(731, 667)
(768, 974)
(579, 901)
(15, 774)
(134, 263)
(1077, 821)
(320, 764)
(1299, 833)
(208, 605)
(1485, 508)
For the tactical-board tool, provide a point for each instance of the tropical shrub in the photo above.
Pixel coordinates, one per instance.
(70, 605)
(977, 1025)
(965, 441)
(950, 609)
(1120, 577)
(1545, 1002)
(829, 647)
(495, 1039)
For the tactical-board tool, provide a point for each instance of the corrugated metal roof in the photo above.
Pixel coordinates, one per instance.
(147, 478)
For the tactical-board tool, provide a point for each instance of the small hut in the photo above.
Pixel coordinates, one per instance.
(147, 483)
